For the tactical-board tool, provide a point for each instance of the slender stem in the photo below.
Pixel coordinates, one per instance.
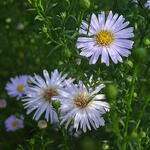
(65, 139)
(115, 124)
(129, 109)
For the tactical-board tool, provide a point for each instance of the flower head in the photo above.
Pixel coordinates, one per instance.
(40, 93)
(147, 5)
(82, 106)
(107, 37)
(3, 103)
(17, 86)
(12, 123)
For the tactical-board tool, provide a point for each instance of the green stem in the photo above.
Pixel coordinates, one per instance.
(65, 139)
(129, 109)
(115, 123)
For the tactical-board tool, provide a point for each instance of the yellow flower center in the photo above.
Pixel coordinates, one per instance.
(104, 38)
(20, 88)
(15, 124)
(81, 100)
(49, 93)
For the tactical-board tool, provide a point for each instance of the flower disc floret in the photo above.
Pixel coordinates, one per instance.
(104, 38)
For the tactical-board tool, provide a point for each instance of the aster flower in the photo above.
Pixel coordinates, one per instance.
(83, 106)
(147, 5)
(107, 37)
(40, 93)
(3, 103)
(12, 123)
(17, 86)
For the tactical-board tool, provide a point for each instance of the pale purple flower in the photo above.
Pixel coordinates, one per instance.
(105, 37)
(20, 26)
(13, 123)
(82, 106)
(40, 93)
(3, 103)
(147, 5)
(17, 86)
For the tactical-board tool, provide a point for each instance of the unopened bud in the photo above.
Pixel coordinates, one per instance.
(142, 134)
(3, 103)
(42, 124)
(8, 20)
(111, 91)
(44, 29)
(63, 15)
(129, 63)
(134, 135)
(78, 61)
(147, 41)
(85, 4)
(140, 54)
(129, 78)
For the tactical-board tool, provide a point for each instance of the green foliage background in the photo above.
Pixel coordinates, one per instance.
(48, 41)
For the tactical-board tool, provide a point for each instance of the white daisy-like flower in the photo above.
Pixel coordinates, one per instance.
(40, 93)
(147, 5)
(82, 106)
(107, 37)
(17, 86)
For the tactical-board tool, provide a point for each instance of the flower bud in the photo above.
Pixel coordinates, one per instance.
(147, 41)
(63, 15)
(3, 103)
(8, 20)
(134, 135)
(134, 94)
(44, 29)
(85, 4)
(42, 124)
(87, 144)
(78, 61)
(67, 53)
(105, 146)
(111, 91)
(142, 134)
(129, 63)
(129, 78)
(140, 55)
